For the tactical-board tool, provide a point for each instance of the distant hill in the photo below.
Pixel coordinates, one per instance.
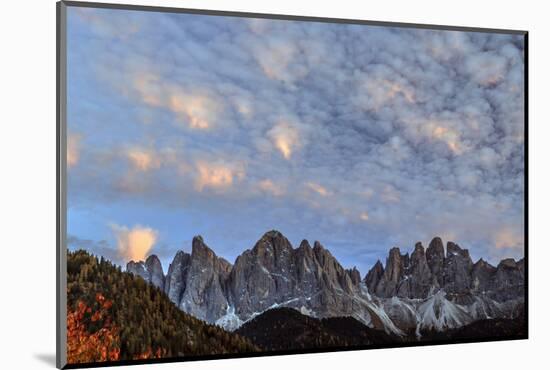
(284, 328)
(114, 315)
(484, 329)
(287, 329)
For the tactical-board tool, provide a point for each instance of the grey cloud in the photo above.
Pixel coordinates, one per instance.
(421, 129)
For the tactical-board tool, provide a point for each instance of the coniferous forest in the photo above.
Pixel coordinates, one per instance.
(114, 315)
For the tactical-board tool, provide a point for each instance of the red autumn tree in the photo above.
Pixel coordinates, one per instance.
(91, 335)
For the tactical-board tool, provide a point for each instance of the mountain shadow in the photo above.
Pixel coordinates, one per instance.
(285, 328)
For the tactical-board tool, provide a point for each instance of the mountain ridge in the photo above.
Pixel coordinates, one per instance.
(430, 289)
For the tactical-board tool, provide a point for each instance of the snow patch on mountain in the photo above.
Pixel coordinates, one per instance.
(230, 321)
(438, 313)
(389, 326)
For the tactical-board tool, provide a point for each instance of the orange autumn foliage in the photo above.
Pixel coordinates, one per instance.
(132, 319)
(100, 345)
(159, 353)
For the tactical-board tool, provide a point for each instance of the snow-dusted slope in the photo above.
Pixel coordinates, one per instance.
(438, 313)
(399, 316)
(230, 321)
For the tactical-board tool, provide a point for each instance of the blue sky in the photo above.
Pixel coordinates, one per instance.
(361, 137)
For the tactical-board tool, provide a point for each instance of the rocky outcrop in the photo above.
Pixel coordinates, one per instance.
(150, 270)
(404, 276)
(176, 278)
(509, 278)
(374, 276)
(483, 277)
(334, 289)
(195, 282)
(138, 269)
(273, 273)
(354, 275)
(421, 283)
(262, 276)
(457, 270)
(156, 274)
(435, 256)
(204, 295)
(393, 274)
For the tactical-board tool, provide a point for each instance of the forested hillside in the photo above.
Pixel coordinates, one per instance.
(114, 315)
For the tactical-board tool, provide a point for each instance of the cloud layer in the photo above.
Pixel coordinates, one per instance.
(361, 136)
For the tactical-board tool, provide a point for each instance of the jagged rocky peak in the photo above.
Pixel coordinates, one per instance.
(150, 270)
(452, 271)
(204, 295)
(507, 263)
(273, 251)
(274, 238)
(436, 247)
(176, 277)
(181, 255)
(435, 256)
(482, 265)
(262, 276)
(153, 260)
(304, 250)
(305, 264)
(326, 260)
(420, 281)
(509, 279)
(317, 245)
(201, 251)
(273, 273)
(395, 264)
(136, 264)
(354, 275)
(483, 276)
(393, 273)
(407, 276)
(457, 269)
(373, 277)
(481, 262)
(199, 248)
(304, 244)
(454, 249)
(137, 268)
(154, 267)
(305, 267)
(404, 276)
(182, 258)
(418, 261)
(418, 256)
(273, 234)
(273, 246)
(322, 254)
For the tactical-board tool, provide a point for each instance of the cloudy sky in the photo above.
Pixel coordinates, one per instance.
(361, 137)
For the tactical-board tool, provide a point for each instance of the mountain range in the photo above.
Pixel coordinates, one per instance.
(431, 290)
